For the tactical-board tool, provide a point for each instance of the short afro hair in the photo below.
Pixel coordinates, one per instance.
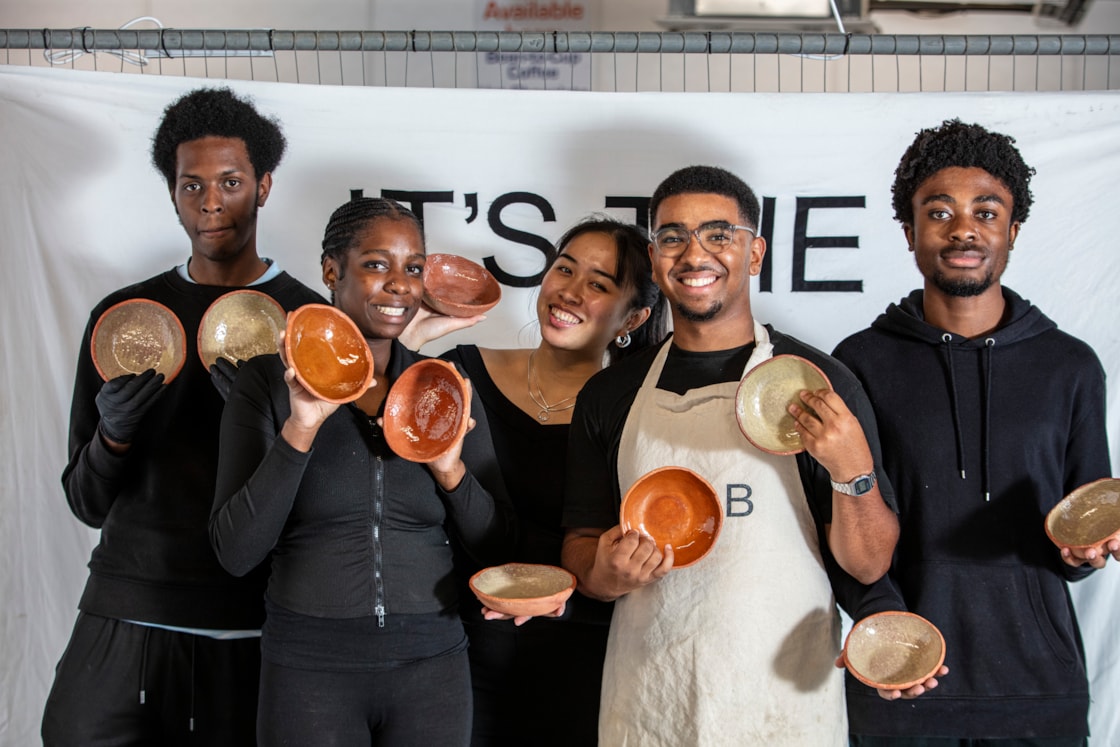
(706, 180)
(216, 112)
(966, 146)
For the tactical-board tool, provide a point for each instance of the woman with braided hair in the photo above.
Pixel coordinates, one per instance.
(361, 641)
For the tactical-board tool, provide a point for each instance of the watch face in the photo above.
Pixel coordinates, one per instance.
(863, 485)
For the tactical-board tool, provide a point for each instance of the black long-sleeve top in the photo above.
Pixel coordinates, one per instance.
(353, 529)
(152, 504)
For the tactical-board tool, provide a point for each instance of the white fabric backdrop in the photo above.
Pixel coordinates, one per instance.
(82, 213)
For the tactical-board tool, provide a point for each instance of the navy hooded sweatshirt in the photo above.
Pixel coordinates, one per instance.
(981, 438)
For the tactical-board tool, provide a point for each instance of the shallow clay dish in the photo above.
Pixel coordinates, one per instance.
(520, 589)
(765, 393)
(331, 357)
(675, 506)
(132, 336)
(424, 411)
(456, 286)
(240, 325)
(1087, 517)
(894, 650)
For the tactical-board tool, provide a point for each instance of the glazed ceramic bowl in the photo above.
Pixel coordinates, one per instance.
(1088, 517)
(456, 286)
(675, 506)
(765, 393)
(132, 336)
(894, 650)
(330, 355)
(523, 589)
(240, 325)
(425, 411)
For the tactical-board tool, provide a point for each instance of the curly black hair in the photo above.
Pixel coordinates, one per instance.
(707, 180)
(955, 143)
(206, 112)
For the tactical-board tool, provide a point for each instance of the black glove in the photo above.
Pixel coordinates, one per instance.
(222, 374)
(123, 401)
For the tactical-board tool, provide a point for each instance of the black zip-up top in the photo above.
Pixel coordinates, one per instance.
(981, 438)
(354, 530)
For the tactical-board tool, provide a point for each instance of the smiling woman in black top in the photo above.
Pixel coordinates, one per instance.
(362, 638)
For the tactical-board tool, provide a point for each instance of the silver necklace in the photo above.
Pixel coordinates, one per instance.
(538, 397)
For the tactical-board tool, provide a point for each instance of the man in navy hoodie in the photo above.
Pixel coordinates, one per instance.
(988, 416)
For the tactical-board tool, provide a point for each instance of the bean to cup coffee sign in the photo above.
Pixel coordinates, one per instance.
(535, 70)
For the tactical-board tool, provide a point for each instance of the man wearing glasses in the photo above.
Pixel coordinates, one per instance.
(739, 648)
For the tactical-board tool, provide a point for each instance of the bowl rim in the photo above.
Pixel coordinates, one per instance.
(906, 685)
(710, 491)
(1053, 512)
(412, 371)
(182, 347)
(350, 324)
(442, 306)
(475, 576)
(739, 393)
(225, 296)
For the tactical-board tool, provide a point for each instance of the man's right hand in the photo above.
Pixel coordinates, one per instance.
(123, 402)
(623, 561)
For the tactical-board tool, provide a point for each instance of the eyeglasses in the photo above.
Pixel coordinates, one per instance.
(713, 237)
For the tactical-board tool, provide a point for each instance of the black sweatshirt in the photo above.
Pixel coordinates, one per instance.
(981, 438)
(154, 562)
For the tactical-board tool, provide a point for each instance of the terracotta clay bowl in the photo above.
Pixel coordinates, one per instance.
(765, 393)
(329, 353)
(1088, 517)
(456, 286)
(894, 650)
(675, 506)
(523, 589)
(240, 325)
(132, 336)
(424, 411)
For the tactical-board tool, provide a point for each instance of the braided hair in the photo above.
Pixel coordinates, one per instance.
(955, 143)
(351, 218)
(216, 112)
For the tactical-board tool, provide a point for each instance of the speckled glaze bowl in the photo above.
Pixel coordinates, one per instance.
(456, 286)
(240, 325)
(1088, 517)
(134, 335)
(523, 589)
(894, 650)
(765, 393)
(675, 506)
(330, 355)
(425, 411)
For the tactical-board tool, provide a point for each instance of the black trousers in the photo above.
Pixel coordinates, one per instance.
(124, 684)
(426, 703)
(954, 742)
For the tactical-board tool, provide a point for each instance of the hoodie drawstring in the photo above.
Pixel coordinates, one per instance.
(989, 343)
(947, 338)
(194, 640)
(144, 666)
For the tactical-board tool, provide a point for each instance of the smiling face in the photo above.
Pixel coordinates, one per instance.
(379, 284)
(581, 306)
(216, 195)
(706, 289)
(962, 233)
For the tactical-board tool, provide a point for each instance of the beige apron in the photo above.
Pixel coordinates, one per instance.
(737, 649)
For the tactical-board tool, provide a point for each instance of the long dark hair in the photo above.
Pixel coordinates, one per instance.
(633, 272)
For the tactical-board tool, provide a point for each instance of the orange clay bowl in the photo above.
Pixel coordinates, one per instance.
(424, 411)
(456, 286)
(894, 650)
(134, 335)
(765, 393)
(329, 353)
(240, 325)
(1088, 517)
(522, 589)
(675, 506)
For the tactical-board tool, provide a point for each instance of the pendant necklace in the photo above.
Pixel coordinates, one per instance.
(538, 397)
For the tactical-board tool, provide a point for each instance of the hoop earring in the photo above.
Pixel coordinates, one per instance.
(623, 340)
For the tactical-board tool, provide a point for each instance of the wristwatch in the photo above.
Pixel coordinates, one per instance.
(860, 485)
